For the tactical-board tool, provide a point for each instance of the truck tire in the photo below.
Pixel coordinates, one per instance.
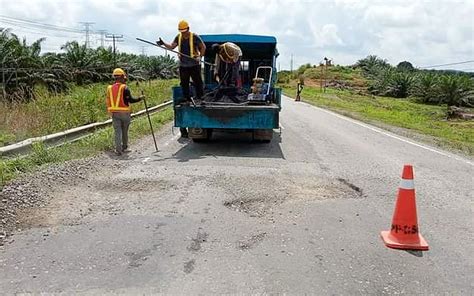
(199, 135)
(262, 135)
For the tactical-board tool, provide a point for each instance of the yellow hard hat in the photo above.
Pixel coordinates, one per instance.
(118, 72)
(183, 26)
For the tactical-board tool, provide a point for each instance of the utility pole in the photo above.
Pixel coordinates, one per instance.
(143, 50)
(114, 38)
(87, 30)
(324, 68)
(102, 37)
(291, 64)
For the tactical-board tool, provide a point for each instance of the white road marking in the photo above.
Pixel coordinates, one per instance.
(377, 130)
(146, 160)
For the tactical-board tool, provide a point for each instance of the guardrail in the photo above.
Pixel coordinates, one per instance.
(68, 136)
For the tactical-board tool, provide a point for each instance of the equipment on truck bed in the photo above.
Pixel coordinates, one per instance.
(260, 88)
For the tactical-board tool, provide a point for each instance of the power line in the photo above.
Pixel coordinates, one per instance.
(450, 64)
(114, 38)
(35, 32)
(87, 29)
(16, 21)
(102, 37)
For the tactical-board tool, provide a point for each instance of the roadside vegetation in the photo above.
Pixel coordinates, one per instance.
(42, 94)
(46, 93)
(24, 67)
(49, 113)
(421, 101)
(98, 142)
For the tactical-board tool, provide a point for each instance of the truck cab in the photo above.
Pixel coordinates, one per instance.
(255, 104)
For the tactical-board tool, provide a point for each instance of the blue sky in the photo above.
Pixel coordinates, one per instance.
(422, 32)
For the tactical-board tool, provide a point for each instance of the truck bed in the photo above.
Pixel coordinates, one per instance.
(228, 116)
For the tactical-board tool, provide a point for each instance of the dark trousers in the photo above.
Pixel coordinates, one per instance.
(185, 73)
(121, 123)
(230, 71)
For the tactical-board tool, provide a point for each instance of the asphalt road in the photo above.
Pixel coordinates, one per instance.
(302, 214)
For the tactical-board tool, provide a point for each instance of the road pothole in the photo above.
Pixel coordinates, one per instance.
(135, 184)
(258, 195)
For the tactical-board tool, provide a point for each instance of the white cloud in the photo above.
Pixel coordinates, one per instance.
(423, 32)
(326, 36)
(393, 16)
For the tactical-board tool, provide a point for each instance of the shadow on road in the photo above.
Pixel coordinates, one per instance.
(415, 253)
(231, 145)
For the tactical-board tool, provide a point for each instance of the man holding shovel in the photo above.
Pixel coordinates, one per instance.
(118, 103)
(192, 49)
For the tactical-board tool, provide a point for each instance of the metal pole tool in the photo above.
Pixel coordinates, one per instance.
(149, 120)
(177, 52)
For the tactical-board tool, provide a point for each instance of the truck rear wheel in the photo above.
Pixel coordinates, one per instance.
(262, 135)
(200, 135)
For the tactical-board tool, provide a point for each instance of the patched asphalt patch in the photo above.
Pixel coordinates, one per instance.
(134, 185)
(189, 266)
(258, 195)
(137, 259)
(196, 242)
(350, 185)
(251, 242)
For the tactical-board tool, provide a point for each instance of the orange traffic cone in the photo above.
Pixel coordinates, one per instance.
(405, 232)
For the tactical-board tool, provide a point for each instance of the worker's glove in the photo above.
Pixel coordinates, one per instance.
(216, 77)
(160, 42)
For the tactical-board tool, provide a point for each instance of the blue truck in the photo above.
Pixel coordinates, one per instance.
(258, 111)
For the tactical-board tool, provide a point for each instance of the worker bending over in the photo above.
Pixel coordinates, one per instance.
(228, 56)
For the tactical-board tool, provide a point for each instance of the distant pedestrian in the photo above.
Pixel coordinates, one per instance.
(118, 103)
(299, 87)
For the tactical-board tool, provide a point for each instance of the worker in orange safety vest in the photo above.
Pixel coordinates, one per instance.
(118, 103)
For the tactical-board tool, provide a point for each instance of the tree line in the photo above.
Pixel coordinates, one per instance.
(453, 88)
(23, 66)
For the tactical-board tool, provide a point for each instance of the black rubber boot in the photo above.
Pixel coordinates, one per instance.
(184, 132)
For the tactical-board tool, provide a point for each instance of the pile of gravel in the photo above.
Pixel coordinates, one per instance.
(32, 190)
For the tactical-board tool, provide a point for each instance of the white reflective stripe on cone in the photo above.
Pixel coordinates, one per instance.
(407, 184)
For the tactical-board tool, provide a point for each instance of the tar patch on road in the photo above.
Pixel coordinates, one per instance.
(136, 259)
(200, 238)
(251, 242)
(189, 266)
(351, 186)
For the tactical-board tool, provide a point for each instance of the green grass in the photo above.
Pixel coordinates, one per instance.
(408, 114)
(333, 72)
(81, 105)
(89, 146)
